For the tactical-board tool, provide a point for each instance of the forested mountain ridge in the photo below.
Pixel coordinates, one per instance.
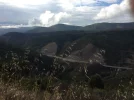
(113, 42)
(63, 27)
(93, 28)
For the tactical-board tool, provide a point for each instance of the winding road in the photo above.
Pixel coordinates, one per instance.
(86, 62)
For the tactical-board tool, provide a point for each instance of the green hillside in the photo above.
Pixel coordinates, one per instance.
(24, 70)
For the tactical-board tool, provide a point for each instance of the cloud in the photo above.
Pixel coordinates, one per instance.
(11, 14)
(48, 18)
(35, 22)
(13, 26)
(113, 10)
(109, 1)
(50, 12)
(25, 3)
(29, 3)
(77, 15)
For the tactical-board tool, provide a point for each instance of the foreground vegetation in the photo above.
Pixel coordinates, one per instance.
(25, 74)
(74, 92)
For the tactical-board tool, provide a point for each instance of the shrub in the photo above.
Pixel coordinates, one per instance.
(96, 82)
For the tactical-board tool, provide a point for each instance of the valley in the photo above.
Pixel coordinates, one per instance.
(41, 60)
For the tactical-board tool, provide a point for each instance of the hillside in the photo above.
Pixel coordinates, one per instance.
(37, 41)
(117, 42)
(68, 64)
(54, 28)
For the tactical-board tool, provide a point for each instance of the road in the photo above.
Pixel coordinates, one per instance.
(86, 62)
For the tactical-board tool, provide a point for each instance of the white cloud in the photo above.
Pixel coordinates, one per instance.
(66, 4)
(13, 26)
(48, 18)
(69, 5)
(67, 23)
(25, 3)
(76, 12)
(35, 22)
(113, 10)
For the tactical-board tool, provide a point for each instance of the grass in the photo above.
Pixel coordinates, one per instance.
(74, 92)
(20, 79)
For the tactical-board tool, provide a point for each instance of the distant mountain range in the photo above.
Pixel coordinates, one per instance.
(62, 27)
(58, 27)
(109, 26)
(21, 29)
(94, 27)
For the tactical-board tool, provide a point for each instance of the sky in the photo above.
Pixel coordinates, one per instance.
(72, 12)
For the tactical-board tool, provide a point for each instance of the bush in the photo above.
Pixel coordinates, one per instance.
(96, 82)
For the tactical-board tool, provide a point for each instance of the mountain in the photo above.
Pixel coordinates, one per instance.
(20, 29)
(109, 26)
(117, 44)
(54, 28)
(62, 27)
(93, 28)
(37, 41)
(114, 43)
